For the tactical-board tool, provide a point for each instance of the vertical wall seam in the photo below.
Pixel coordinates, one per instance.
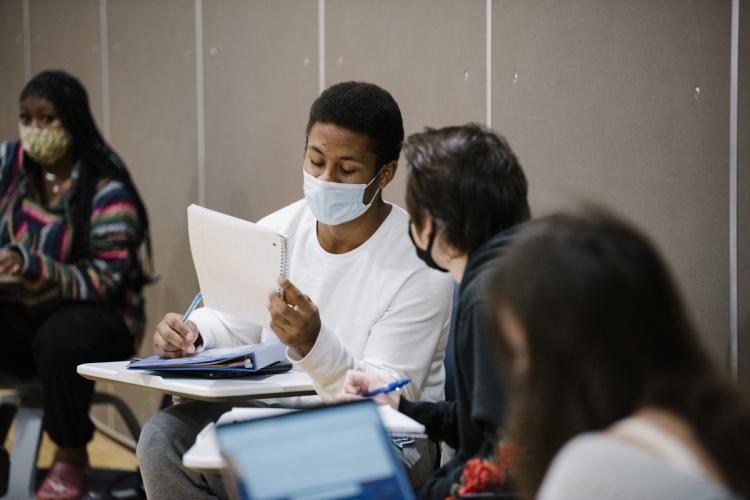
(110, 420)
(199, 103)
(321, 45)
(26, 22)
(733, 199)
(104, 50)
(488, 62)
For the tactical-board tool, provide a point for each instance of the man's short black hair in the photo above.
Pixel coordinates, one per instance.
(468, 180)
(366, 109)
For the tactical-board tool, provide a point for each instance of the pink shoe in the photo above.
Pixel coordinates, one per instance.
(63, 482)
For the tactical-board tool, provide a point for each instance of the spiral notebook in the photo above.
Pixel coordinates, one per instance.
(237, 263)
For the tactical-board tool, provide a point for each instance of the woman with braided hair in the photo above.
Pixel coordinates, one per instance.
(72, 226)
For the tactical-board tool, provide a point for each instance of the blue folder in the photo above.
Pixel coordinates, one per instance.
(246, 359)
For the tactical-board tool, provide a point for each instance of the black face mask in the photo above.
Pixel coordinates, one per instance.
(426, 255)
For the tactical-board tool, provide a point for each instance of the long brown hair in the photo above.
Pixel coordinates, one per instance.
(607, 333)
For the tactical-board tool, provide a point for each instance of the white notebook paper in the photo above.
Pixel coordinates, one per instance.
(205, 453)
(395, 422)
(237, 262)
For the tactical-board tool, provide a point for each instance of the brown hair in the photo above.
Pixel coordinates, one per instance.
(607, 333)
(468, 179)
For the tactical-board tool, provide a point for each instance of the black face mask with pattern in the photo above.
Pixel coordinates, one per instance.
(426, 255)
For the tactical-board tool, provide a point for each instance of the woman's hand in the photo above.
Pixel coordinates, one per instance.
(357, 383)
(174, 338)
(11, 262)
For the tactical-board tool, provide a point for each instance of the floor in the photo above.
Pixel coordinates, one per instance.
(103, 452)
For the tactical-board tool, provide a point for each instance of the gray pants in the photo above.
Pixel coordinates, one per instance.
(171, 432)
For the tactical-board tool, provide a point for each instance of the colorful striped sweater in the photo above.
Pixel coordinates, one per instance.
(44, 236)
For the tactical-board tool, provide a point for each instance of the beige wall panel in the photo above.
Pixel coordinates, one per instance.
(66, 35)
(743, 191)
(11, 60)
(598, 99)
(153, 96)
(429, 54)
(261, 76)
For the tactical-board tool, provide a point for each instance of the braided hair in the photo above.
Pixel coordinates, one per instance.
(97, 161)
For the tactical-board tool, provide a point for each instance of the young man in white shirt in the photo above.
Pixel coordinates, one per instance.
(357, 296)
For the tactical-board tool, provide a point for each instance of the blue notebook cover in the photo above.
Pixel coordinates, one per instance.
(245, 358)
(220, 372)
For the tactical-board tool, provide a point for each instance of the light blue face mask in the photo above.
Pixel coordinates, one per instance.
(334, 203)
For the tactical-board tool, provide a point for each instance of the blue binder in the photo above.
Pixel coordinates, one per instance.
(249, 359)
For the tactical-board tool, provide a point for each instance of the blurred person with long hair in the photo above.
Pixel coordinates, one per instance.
(72, 229)
(614, 396)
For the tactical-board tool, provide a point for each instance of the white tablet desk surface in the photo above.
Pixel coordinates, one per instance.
(292, 383)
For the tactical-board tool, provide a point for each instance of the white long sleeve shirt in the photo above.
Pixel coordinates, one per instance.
(381, 309)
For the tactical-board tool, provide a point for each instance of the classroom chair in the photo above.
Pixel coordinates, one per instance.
(25, 394)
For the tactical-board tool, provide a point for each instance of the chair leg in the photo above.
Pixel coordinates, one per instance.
(123, 409)
(7, 414)
(26, 440)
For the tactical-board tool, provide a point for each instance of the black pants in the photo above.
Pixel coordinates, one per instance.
(51, 346)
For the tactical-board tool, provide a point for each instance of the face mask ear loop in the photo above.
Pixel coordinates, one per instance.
(430, 242)
(368, 185)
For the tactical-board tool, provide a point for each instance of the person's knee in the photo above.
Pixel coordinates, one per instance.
(77, 334)
(59, 341)
(157, 439)
(48, 346)
(168, 434)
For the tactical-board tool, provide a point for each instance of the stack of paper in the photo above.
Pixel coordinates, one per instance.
(395, 423)
(205, 454)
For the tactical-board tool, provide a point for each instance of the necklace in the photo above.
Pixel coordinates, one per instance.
(57, 183)
(50, 177)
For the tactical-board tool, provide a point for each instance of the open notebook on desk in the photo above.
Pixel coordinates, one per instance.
(205, 454)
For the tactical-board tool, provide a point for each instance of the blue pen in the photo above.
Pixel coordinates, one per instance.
(193, 305)
(387, 388)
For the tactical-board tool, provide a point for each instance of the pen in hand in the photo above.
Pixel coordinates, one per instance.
(193, 305)
(386, 388)
(197, 300)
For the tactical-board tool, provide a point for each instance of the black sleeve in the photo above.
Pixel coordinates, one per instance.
(442, 480)
(439, 418)
(480, 381)
(483, 381)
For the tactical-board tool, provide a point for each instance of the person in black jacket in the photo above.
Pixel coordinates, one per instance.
(465, 194)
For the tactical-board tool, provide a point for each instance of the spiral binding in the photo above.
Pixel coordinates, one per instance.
(284, 271)
(284, 266)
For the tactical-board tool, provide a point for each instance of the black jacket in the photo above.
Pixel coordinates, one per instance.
(470, 423)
